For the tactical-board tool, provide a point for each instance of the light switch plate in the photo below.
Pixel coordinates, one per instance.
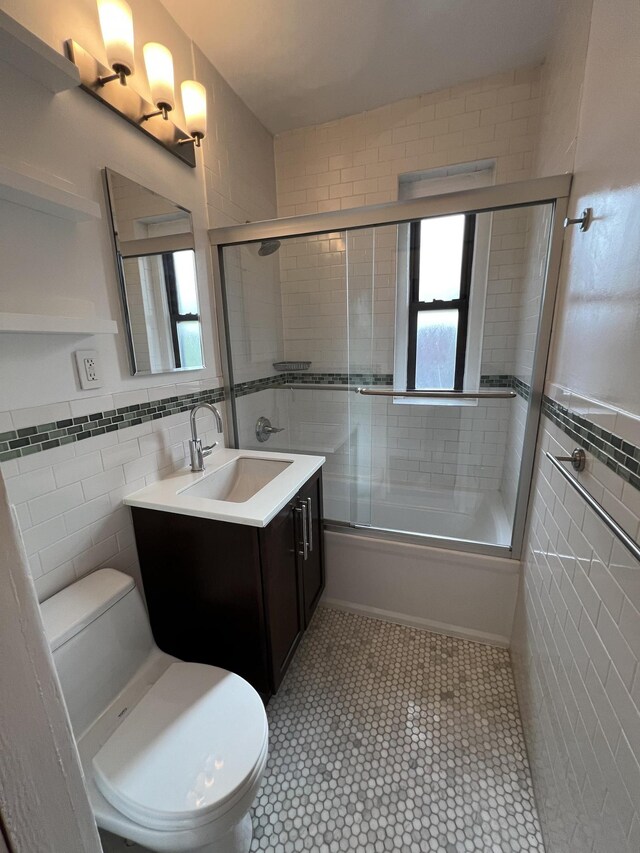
(89, 369)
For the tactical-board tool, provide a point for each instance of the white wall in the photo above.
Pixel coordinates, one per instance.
(576, 644)
(51, 266)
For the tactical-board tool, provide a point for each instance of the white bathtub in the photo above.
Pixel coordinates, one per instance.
(442, 512)
(461, 593)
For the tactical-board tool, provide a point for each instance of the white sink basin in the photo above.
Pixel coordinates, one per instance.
(237, 481)
(239, 486)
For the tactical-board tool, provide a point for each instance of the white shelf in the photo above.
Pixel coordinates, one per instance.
(23, 184)
(52, 325)
(34, 58)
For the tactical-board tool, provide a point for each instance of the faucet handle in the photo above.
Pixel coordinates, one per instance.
(206, 451)
(264, 429)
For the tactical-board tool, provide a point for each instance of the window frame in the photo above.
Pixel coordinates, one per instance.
(461, 304)
(175, 317)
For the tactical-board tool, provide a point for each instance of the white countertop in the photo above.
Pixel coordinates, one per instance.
(168, 495)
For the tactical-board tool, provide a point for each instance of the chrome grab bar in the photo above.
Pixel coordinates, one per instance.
(492, 394)
(630, 544)
(489, 394)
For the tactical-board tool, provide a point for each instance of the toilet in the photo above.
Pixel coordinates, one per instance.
(173, 752)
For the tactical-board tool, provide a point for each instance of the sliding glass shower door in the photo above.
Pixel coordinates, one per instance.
(406, 354)
(446, 305)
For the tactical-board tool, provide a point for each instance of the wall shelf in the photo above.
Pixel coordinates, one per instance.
(53, 325)
(34, 58)
(22, 184)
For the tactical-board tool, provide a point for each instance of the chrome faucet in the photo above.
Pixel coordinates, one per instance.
(196, 450)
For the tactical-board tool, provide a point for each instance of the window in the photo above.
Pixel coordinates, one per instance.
(441, 273)
(182, 300)
(440, 268)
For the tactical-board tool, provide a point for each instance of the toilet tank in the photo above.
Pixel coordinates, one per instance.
(99, 634)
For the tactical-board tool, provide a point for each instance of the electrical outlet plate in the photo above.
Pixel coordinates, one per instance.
(89, 370)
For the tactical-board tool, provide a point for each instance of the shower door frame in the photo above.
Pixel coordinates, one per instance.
(537, 191)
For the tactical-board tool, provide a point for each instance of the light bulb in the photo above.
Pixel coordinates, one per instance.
(159, 64)
(194, 104)
(116, 23)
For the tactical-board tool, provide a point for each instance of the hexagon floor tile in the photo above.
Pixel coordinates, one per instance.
(388, 738)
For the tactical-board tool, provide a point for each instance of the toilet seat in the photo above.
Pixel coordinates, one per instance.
(188, 750)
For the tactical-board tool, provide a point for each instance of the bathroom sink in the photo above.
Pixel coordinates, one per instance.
(237, 481)
(238, 486)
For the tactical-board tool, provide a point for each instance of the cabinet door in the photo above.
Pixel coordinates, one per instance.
(203, 587)
(282, 592)
(312, 565)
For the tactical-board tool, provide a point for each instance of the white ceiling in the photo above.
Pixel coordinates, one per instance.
(301, 62)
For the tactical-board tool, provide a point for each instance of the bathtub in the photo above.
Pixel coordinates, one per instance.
(435, 511)
(385, 575)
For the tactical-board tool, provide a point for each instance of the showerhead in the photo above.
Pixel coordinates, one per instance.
(268, 247)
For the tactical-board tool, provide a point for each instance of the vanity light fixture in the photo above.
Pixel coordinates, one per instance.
(159, 64)
(194, 105)
(116, 23)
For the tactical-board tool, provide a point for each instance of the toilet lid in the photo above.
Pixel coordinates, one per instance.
(187, 751)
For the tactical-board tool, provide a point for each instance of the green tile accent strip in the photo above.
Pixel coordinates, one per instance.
(35, 439)
(304, 378)
(612, 450)
(252, 386)
(617, 454)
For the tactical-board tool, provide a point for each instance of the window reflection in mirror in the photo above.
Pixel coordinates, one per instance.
(153, 239)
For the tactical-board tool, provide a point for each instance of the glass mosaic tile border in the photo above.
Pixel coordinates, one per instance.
(506, 380)
(252, 386)
(35, 439)
(617, 454)
(241, 389)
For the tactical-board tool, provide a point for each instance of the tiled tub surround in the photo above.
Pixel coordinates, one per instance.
(68, 498)
(423, 445)
(387, 738)
(338, 295)
(392, 443)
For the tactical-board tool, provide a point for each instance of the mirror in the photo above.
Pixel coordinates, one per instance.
(155, 257)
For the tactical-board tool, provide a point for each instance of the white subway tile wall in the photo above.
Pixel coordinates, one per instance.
(575, 650)
(357, 160)
(68, 499)
(338, 303)
(254, 305)
(338, 291)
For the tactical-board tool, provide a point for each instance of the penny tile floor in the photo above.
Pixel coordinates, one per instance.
(388, 738)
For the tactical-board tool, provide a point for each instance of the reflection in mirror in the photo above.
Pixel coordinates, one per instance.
(153, 239)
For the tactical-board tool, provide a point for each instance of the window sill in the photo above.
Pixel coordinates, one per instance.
(421, 401)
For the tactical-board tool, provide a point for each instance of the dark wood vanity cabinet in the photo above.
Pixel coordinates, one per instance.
(232, 595)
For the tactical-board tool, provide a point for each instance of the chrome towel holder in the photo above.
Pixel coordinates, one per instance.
(630, 544)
